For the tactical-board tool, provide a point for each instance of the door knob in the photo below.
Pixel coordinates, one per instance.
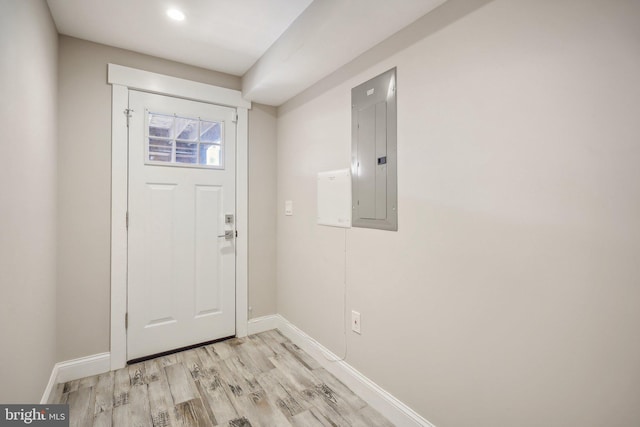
(228, 235)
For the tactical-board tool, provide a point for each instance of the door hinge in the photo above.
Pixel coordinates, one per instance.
(126, 320)
(236, 119)
(127, 112)
(126, 219)
(236, 233)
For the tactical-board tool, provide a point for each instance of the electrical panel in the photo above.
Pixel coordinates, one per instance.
(374, 153)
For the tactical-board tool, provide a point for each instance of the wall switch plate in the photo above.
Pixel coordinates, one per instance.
(355, 321)
(288, 207)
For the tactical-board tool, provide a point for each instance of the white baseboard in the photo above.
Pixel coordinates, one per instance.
(264, 323)
(75, 369)
(50, 385)
(378, 398)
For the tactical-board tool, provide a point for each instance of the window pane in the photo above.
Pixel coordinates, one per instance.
(186, 152)
(210, 154)
(210, 131)
(160, 125)
(186, 129)
(160, 150)
(182, 141)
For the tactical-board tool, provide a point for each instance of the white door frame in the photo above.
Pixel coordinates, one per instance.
(122, 79)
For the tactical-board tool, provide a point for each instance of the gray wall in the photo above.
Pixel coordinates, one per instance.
(28, 55)
(262, 210)
(84, 176)
(509, 296)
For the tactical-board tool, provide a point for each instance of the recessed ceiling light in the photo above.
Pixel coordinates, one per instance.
(175, 14)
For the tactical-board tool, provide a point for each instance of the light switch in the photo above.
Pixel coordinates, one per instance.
(288, 207)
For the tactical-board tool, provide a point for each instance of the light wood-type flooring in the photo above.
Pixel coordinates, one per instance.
(261, 380)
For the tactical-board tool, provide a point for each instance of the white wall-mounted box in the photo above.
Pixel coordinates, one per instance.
(334, 198)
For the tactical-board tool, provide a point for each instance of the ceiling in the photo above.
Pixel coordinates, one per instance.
(280, 47)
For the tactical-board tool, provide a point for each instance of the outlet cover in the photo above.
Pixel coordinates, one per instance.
(355, 322)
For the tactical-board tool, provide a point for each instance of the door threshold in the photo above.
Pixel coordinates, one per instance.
(177, 350)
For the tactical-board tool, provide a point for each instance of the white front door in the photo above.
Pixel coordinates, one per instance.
(181, 203)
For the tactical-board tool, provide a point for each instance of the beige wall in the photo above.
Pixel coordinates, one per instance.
(509, 295)
(84, 175)
(262, 210)
(28, 55)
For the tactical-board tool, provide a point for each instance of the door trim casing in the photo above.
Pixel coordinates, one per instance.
(122, 79)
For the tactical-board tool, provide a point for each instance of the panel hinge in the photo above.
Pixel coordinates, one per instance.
(236, 119)
(126, 219)
(127, 112)
(126, 320)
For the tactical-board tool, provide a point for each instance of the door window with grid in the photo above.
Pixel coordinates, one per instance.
(173, 140)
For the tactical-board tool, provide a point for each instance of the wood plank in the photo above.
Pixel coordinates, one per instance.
(221, 350)
(261, 346)
(120, 415)
(64, 399)
(272, 343)
(165, 361)
(121, 386)
(71, 386)
(104, 393)
(81, 403)
(333, 407)
(180, 383)
(338, 389)
(209, 363)
(288, 384)
(247, 397)
(137, 374)
(136, 411)
(256, 356)
(374, 418)
(310, 418)
(152, 371)
(313, 400)
(205, 403)
(192, 413)
(323, 409)
(320, 416)
(139, 410)
(308, 361)
(215, 397)
(102, 419)
(257, 408)
(161, 404)
(56, 394)
(235, 383)
(240, 374)
(240, 422)
(192, 362)
(246, 361)
(88, 382)
(281, 396)
(275, 334)
(213, 388)
(297, 373)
